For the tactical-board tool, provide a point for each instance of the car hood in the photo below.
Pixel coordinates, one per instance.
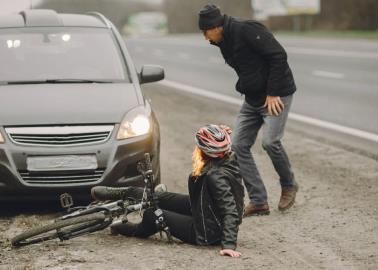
(46, 104)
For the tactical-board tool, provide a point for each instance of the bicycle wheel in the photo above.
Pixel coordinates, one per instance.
(54, 230)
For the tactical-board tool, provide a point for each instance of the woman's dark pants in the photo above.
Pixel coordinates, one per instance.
(177, 214)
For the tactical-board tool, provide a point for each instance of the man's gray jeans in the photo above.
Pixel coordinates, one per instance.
(248, 123)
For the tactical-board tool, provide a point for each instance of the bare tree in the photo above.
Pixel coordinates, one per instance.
(116, 10)
(334, 15)
(183, 14)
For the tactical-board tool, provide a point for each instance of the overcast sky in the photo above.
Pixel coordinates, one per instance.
(7, 6)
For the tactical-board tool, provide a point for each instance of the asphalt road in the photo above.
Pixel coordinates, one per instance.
(333, 224)
(336, 78)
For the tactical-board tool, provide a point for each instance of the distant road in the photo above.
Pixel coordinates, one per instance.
(337, 79)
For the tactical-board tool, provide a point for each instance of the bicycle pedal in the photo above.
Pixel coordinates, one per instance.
(66, 200)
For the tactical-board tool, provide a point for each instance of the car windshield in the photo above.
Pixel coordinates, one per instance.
(55, 53)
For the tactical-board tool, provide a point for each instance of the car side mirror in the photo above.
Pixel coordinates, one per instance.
(151, 73)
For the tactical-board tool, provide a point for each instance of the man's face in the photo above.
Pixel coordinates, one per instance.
(215, 34)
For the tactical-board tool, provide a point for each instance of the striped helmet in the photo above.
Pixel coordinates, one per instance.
(213, 140)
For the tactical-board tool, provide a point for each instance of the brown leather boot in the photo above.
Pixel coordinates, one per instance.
(256, 210)
(287, 197)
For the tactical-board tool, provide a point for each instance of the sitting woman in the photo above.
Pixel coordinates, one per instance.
(211, 213)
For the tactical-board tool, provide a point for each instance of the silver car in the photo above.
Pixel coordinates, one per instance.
(72, 114)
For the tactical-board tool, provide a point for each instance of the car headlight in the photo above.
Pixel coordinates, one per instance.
(1, 138)
(135, 123)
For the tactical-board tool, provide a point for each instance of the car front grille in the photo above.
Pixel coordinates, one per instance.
(63, 177)
(59, 135)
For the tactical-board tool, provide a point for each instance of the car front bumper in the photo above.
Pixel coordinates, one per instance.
(116, 159)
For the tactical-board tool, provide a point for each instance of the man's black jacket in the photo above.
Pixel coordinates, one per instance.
(258, 59)
(217, 202)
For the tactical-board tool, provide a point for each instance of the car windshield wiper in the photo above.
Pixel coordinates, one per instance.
(58, 81)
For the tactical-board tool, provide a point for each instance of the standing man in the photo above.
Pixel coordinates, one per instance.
(266, 81)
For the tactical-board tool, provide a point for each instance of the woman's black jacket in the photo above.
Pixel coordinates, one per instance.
(217, 202)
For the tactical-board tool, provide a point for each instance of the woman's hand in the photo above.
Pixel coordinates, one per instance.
(230, 252)
(226, 128)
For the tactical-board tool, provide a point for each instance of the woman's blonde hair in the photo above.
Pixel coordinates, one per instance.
(199, 161)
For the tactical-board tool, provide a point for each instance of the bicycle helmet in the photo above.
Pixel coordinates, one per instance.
(213, 140)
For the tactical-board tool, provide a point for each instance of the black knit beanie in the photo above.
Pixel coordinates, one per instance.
(210, 17)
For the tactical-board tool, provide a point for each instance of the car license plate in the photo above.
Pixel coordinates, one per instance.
(62, 163)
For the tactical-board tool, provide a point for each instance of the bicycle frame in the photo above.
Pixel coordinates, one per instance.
(94, 217)
(116, 208)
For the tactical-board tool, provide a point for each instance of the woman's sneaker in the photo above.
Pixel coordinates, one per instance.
(124, 228)
(102, 193)
(161, 188)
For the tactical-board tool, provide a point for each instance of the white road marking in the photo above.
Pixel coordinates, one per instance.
(201, 92)
(326, 52)
(300, 118)
(184, 56)
(327, 74)
(199, 43)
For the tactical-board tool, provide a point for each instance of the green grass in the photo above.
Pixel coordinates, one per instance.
(333, 34)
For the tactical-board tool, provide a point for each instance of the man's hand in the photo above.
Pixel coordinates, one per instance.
(226, 128)
(230, 252)
(274, 104)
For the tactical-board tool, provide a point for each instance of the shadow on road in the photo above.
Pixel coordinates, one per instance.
(11, 209)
